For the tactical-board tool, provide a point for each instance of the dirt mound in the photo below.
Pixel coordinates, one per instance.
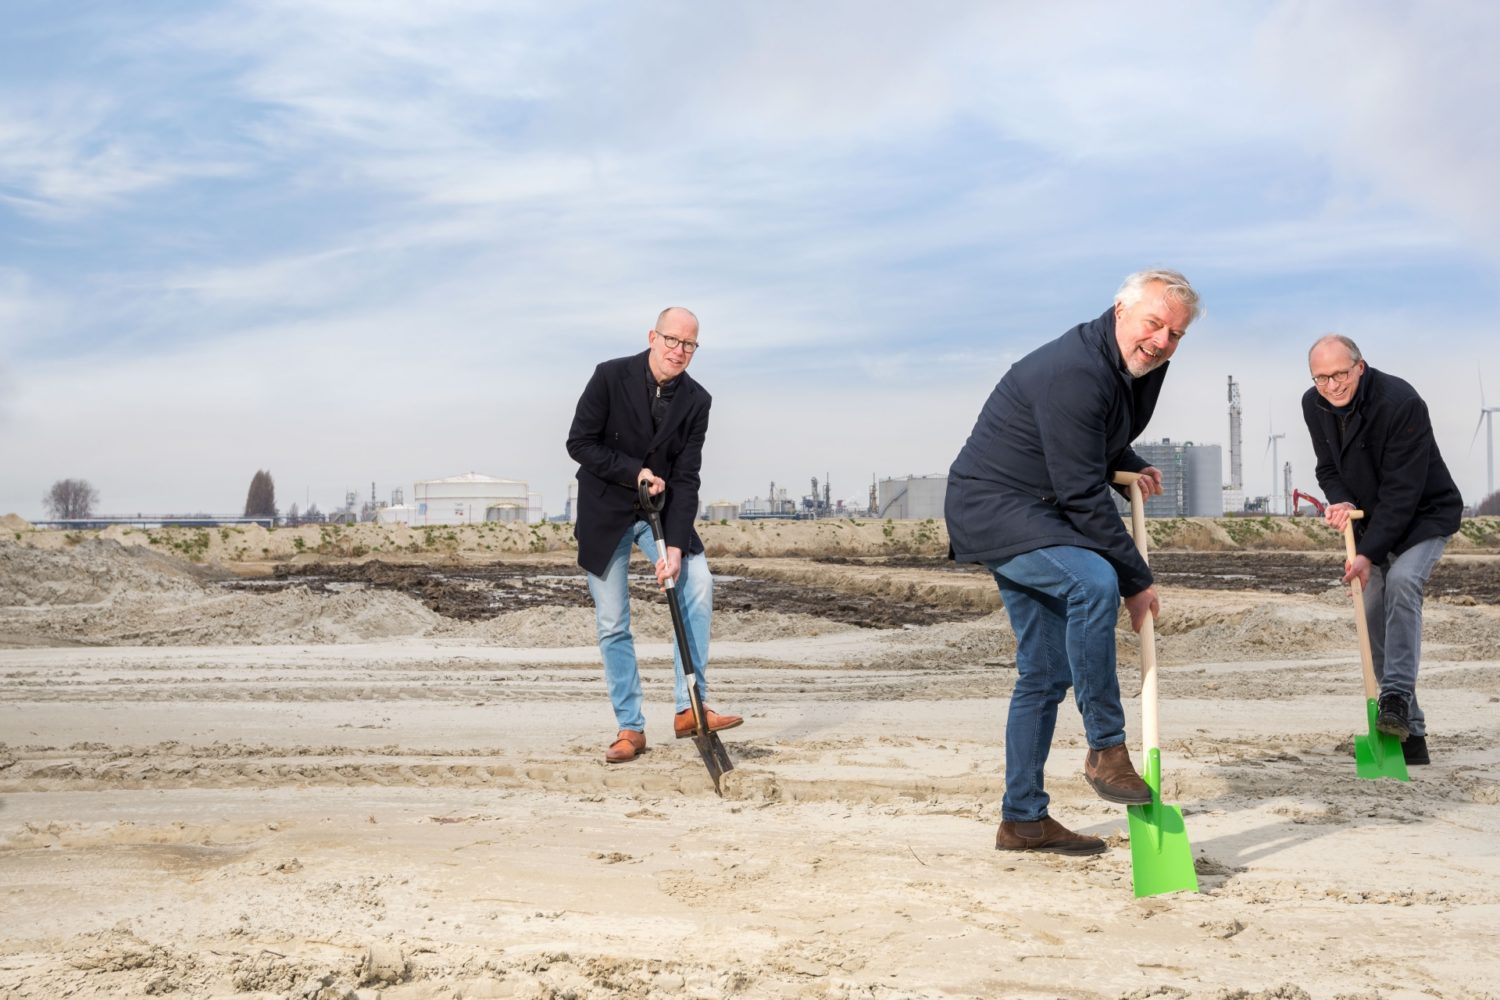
(90, 573)
(14, 522)
(291, 616)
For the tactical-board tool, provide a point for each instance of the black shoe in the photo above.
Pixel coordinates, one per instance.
(1415, 750)
(1391, 717)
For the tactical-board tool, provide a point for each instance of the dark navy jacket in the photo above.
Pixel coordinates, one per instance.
(1386, 463)
(612, 440)
(1035, 470)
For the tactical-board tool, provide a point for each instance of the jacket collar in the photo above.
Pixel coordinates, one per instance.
(636, 376)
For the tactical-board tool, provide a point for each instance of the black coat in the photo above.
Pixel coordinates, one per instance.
(611, 439)
(1386, 463)
(1035, 469)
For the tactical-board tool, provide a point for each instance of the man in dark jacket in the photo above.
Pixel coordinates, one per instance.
(1376, 453)
(1028, 498)
(643, 419)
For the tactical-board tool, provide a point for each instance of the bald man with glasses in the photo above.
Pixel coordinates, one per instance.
(643, 419)
(1377, 453)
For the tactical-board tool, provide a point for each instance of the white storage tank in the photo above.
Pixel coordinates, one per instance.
(507, 512)
(914, 498)
(465, 499)
(1203, 467)
(395, 514)
(723, 510)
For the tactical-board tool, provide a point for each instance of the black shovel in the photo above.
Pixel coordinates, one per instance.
(710, 747)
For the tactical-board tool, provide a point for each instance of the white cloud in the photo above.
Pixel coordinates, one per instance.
(1400, 96)
(440, 216)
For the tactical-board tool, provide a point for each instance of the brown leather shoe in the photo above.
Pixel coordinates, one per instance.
(627, 746)
(1047, 835)
(683, 725)
(1110, 773)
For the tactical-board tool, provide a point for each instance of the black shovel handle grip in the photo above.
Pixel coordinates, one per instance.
(650, 504)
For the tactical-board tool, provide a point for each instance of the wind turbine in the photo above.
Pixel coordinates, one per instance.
(1271, 440)
(1486, 417)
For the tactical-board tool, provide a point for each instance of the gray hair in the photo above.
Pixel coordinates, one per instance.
(1337, 338)
(1176, 287)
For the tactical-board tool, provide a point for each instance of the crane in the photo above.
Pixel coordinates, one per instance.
(1298, 496)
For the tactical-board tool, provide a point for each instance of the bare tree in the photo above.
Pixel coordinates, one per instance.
(1490, 504)
(261, 500)
(71, 498)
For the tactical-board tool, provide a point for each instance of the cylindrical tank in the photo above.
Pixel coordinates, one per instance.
(510, 513)
(1204, 487)
(464, 499)
(723, 510)
(915, 498)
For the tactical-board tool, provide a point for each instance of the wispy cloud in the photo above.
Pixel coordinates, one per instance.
(326, 229)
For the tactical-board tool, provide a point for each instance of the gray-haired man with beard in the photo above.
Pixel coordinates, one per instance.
(1028, 497)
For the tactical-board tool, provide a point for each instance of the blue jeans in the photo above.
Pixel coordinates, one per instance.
(1063, 603)
(611, 593)
(1393, 609)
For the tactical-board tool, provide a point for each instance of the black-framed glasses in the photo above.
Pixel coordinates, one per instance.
(1338, 377)
(689, 346)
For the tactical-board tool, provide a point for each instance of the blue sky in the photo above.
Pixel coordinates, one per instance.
(354, 241)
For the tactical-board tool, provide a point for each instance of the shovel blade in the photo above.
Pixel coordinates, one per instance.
(1161, 859)
(1378, 755)
(715, 758)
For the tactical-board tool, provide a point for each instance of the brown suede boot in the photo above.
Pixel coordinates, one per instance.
(1110, 773)
(1047, 835)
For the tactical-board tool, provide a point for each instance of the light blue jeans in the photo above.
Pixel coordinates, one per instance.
(611, 593)
(1063, 603)
(1393, 609)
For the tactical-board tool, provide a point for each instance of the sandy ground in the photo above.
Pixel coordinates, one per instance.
(208, 792)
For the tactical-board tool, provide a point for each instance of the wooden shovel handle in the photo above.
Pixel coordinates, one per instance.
(1150, 735)
(1361, 625)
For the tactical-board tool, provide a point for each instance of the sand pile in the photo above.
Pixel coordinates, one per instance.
(90, 573)
(100, 591)
(287, 617)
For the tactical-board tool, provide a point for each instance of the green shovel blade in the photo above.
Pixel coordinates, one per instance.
(1161, 859)
(1378, 755)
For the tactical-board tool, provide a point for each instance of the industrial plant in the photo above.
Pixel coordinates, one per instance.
(1193, 485)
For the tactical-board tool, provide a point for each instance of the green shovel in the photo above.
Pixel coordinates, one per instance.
(1377, 755)
(1161, 859)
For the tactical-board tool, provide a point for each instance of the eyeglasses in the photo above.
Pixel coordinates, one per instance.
(688, 346)
(1339, 378)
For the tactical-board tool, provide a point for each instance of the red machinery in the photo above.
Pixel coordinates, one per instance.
(1298, 496)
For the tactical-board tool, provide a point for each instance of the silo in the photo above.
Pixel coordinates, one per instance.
(508, 512)
(465, 499)
(914, 498)
(723, 510)
(1204, 472)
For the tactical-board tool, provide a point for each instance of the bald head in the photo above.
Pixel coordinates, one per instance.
(675, 312)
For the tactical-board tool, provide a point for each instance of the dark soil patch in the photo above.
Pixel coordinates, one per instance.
(470, 593)
(1464, 581)
(473, 593)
